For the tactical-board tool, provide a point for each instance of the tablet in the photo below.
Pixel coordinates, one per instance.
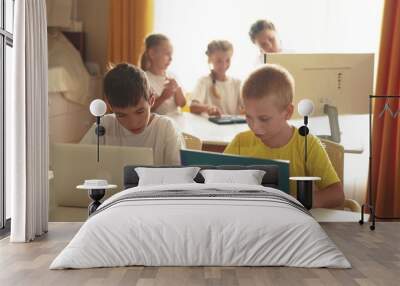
(228, 119)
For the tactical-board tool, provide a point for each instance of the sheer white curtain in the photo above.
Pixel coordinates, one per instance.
(303, 26)
(26, 124)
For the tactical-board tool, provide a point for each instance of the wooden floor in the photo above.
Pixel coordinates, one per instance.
(375, 257)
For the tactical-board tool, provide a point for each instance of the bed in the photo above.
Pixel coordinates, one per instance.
(201, 224)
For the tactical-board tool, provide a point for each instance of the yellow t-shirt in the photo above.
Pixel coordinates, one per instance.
(318, 163)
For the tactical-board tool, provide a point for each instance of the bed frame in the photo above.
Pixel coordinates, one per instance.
(270, 179)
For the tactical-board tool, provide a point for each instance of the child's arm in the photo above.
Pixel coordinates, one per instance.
(329, 197)
(166, 93)
(199, 96)
(170, 89)
(198, 108)
(180, 99)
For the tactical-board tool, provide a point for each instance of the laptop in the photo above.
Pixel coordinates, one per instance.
(228, 119)
(74, 163)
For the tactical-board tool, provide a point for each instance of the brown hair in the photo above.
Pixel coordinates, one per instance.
(125, 84)
(270, 80)
(212, 47)
(150, 42)
(260, 26)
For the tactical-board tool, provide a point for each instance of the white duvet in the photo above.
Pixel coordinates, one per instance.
(200, 231)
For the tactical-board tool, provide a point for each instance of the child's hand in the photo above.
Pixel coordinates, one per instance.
(214, 111)
(171, 84)
(170, 88)
(168, 92)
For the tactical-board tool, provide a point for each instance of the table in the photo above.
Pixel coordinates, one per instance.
(213, 136)
(216, 137)
(96, 194)
(331, 215)
(305, 189)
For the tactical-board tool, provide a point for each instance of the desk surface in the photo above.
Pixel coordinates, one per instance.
(214, 134)
(206, 131)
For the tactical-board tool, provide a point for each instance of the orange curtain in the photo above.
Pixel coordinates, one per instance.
(129, 23)
(386, 126)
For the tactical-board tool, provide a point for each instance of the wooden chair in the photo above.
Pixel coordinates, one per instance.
(192, 142)
(336, 155)
(186, 108)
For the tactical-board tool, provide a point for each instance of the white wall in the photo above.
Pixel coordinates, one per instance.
(307, 25)
(94, 15)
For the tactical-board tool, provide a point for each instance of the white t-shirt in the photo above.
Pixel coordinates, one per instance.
(160, 134)
(157, 82)
(230, 101)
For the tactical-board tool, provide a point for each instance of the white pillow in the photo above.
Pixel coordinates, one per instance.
(164, 176)
(248, 177)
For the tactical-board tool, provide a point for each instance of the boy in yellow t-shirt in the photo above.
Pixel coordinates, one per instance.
(267, 96)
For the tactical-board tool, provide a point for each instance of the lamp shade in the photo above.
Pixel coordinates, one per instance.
(305, 107)
(98, 107)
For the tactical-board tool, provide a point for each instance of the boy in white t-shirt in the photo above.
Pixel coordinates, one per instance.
(217, 93)
(155, 61)
(127, 93)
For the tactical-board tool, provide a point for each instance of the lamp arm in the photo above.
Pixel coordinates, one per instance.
(303, 131)
(305, 155)
(98, 145)
(100, 131)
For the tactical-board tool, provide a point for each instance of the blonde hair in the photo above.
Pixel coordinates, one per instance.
(270, 80)
(151, 41)
(212, 47)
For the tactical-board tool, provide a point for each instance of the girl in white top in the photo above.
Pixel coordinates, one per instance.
(155, 60)
(217, 94)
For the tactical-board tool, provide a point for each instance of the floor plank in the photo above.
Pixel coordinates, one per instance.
(374, 255)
